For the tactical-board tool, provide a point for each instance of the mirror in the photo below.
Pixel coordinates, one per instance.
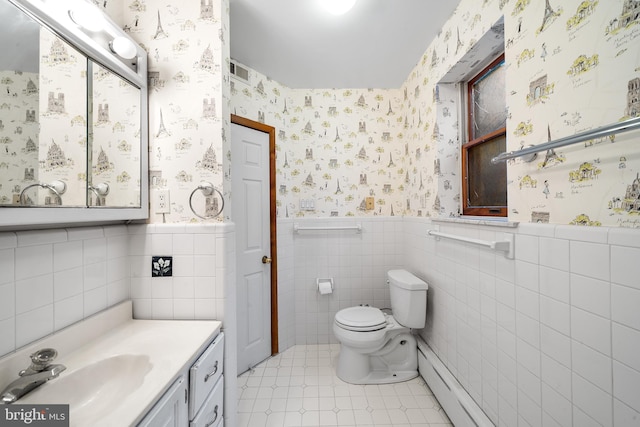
(114, 140)
(73, 118)
(43, 115)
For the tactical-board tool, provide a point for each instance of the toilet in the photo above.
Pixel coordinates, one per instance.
(378, 348)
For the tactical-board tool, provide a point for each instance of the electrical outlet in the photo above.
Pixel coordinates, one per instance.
(161, 203)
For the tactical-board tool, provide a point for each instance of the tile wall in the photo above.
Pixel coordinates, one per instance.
(550, 338)
(52, 278)
(200, 267)
(204, 269)
(356, 261)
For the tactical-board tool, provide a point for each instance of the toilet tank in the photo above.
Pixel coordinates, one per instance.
(408, 298)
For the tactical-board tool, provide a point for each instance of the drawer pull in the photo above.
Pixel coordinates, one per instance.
(212, 373)
(215, 417)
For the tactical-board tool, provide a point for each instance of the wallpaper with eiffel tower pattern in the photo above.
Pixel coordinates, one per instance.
(571, 66)
(187, 44)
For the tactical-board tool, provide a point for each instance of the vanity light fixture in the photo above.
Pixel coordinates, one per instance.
(87, 16)
(338, 7)
(123, 47)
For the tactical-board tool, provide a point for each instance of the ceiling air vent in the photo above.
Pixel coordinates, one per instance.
(239, 72)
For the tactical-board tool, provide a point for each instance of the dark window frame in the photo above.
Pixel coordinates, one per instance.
(490, 211)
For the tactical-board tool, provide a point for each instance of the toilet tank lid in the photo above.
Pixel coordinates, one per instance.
(405, 280)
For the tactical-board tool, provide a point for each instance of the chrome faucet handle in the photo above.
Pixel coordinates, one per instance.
(40, 360)
(39, 372)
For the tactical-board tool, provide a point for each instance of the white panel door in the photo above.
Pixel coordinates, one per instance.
(251, 214)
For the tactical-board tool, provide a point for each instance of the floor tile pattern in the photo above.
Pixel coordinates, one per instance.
(299, 387)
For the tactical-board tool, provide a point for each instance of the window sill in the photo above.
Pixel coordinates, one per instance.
(476, 220)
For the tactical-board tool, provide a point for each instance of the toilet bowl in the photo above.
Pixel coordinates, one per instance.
(378, 348)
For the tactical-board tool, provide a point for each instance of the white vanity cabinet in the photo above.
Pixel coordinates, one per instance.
(206, 385)
(171, 409)
(196, 398)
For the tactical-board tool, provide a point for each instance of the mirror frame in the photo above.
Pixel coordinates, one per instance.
(55, 16)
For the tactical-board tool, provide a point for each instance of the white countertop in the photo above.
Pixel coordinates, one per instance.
(114, 355)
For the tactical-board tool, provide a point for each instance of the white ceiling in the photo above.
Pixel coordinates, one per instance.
(299, 44)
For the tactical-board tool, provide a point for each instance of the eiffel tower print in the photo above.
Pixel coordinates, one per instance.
(548, 14)
(162, 131)
(338, 190)
(160, 33)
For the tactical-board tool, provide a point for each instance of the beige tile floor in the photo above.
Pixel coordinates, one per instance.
(299, 387)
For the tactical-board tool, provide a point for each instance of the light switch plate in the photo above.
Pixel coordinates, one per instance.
(370, 203)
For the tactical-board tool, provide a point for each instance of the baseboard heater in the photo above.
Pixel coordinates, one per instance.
(461, 409)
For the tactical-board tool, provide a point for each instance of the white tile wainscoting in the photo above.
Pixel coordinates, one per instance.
(357, 262)
(52, 278)
(550, 338)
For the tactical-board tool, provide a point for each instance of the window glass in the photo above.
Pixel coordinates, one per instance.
(484, 188)
(488, 96)
(485, 178)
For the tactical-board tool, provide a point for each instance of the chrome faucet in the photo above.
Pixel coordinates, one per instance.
(39, 372)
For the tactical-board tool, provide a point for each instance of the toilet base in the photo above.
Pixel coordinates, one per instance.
(391, 364)
(383, 377)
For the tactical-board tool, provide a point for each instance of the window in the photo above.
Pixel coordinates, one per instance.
(484, 184)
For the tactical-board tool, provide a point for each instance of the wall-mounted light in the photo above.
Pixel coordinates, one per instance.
(87, 16)
(338, 7)
(123, 47)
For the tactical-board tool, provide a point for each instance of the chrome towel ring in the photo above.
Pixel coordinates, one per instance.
(100, 191)
(207, 189)
(57, 187)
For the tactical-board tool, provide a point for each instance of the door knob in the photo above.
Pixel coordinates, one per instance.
(266, 260)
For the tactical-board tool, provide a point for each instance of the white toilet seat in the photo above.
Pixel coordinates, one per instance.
(361, 319)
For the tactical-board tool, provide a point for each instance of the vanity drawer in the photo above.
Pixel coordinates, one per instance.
(210, 414)
(204, 374)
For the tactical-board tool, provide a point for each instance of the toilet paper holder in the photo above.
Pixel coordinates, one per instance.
(321, 285)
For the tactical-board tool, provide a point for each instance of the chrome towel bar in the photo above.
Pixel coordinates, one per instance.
(600, 132)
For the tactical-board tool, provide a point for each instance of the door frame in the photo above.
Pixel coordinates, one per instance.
(238, 120)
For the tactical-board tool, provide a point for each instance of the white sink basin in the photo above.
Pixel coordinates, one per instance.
(117, 367)
(95, 389)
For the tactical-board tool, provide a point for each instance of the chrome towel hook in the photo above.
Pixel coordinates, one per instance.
(207, 189)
